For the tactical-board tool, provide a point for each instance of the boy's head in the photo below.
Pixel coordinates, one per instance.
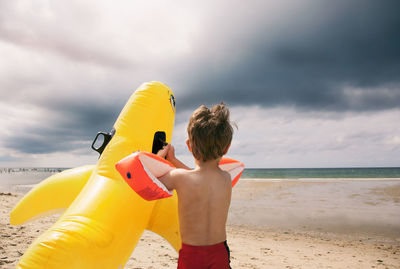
(210, 132)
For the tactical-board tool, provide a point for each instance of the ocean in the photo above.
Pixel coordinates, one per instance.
(22, 179)
(295, 173)
(14, 178)
(33, 175)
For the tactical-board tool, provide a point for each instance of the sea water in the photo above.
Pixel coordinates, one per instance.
(294, 173)
(22, 179)
(29, 176)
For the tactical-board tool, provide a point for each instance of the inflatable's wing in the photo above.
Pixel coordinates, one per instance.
(52, 195)
(233, 167)
(141, 171)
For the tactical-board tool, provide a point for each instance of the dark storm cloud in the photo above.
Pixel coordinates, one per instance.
(81, 119)
(335, 55)
(71, 126)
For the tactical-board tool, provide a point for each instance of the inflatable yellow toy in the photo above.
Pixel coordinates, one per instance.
(105, 218)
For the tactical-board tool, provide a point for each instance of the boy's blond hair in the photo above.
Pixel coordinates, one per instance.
(210, 132)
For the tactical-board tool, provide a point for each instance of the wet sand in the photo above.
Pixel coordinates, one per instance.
(272, 224)
(362, 207)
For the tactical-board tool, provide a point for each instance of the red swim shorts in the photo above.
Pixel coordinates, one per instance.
(198, 257)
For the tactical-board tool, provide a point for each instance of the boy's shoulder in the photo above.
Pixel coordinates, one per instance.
(199, 176)
(178, 174)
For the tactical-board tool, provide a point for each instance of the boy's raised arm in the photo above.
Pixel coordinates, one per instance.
(169, 152)
(178, 164)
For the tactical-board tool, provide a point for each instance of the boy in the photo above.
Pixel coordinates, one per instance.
(204, 194)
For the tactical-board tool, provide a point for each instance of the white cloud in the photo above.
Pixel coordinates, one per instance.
(393, 140)
(101, 32)
(284, 137)
(287, 138)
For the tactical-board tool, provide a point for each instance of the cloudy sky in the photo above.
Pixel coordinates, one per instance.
(310, 83)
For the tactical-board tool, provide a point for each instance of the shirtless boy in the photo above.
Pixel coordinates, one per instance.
(204, 193)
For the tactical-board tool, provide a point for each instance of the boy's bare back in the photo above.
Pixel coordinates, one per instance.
(204, 194)
(204, 198)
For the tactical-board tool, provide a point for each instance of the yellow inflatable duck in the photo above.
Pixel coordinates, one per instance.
(105, 218)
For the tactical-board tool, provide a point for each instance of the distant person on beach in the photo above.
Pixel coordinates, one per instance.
(204, 193)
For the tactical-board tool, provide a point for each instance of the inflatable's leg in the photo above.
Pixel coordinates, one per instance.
(64, 244)
(53, 194)
(165, 221)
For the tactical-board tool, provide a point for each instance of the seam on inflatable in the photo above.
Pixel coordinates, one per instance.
(235, 172)
(96, 234)
(127, 157)
(234, 169)
(229, 166)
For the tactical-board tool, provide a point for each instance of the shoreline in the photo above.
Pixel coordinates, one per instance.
(328, 179)
(24, 188)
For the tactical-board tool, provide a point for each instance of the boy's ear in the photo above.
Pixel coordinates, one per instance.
(188, 145)
(227, 148)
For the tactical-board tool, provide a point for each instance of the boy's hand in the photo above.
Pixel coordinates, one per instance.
(164, 151)
(171, 153)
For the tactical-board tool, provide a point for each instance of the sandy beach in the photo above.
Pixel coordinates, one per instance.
(272, 224)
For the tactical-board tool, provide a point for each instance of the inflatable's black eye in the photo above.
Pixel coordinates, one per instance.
(172, 100)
